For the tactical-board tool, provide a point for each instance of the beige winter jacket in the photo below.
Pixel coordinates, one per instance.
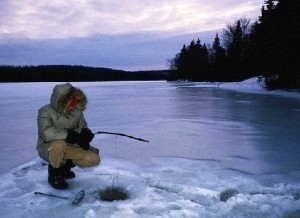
(54, 119)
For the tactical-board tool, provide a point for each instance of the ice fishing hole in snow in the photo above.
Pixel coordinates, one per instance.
(112, 194)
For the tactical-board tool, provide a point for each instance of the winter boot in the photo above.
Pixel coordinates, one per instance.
(66, 170)
(55, 179)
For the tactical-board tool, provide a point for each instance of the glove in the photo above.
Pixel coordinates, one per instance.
(87, 135)
(84, 145)
(73, 137)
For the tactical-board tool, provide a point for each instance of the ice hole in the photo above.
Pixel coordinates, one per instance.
(113, 194)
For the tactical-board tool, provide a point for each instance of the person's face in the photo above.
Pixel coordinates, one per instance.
(72, 104)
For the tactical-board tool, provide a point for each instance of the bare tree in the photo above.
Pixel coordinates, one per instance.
(230, 32)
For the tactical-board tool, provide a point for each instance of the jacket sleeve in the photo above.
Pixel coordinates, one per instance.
(46, 129)
(82, 122)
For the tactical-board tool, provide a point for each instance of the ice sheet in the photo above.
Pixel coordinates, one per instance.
(204, 140)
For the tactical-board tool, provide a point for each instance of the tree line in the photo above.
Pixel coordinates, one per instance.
(269, 48)
(62, 73)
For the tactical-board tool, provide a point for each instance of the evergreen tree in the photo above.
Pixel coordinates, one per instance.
(182, 64)
(276, 43)
(204, 73)
(218, 60)
(236, 38)
(288, 20)
(192, 63)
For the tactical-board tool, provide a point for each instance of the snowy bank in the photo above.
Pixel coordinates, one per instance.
(252, 85)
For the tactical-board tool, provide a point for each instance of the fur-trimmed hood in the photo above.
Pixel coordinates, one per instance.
(62, 94)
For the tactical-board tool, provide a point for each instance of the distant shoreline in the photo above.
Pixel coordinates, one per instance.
(68, 73)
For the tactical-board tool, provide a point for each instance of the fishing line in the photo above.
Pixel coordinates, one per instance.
(117, 171)
(112, 193)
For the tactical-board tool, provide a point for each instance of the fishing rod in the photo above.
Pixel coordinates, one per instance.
(122, 134)
(76, 199)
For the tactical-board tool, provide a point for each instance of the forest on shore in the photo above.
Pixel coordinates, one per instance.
(268, 48)
(62, 73)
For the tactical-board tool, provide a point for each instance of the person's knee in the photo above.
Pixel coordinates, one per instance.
(93, 159)
(97, 159)
(89, 160)
(58, 147)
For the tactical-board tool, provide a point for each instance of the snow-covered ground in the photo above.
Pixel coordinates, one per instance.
(216, 150)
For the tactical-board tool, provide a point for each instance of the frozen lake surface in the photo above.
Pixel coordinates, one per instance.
(204, 140)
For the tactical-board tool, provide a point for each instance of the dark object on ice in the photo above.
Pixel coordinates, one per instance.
(122, 134)
(112, 194)
(78, 197)
(228, 193)
(75, 200)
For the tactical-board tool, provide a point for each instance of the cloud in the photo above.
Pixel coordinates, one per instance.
(82, 18)
(125, 51)
(129, 34)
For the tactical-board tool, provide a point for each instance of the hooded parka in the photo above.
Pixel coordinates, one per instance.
(55, 119)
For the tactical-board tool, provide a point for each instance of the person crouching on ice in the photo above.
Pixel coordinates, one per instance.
(63, 135)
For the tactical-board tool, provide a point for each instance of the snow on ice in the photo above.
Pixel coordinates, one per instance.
(197, 164)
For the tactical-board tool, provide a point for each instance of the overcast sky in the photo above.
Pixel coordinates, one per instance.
(128, 34)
